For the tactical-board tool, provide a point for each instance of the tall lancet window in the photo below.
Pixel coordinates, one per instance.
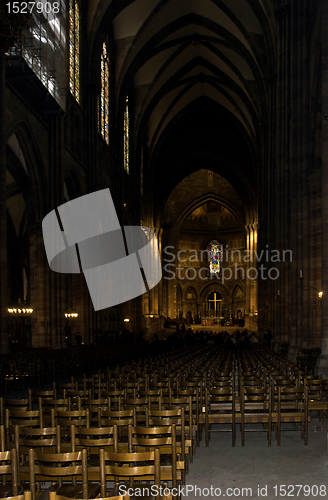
(126, 136)
(74, 49)
(215, 256)
(104, 95)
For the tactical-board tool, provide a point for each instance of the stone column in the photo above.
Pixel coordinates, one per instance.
(323, 362)
(3, 211)
(255, 264)
(247, 266)
(160, 287)
(39, 286)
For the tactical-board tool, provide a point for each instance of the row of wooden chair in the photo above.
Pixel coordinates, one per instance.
(255, 407)
(251, 369)
(38, 462)
(255, 388)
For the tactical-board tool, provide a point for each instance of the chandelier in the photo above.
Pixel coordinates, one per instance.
(71, 315)
(20, 310)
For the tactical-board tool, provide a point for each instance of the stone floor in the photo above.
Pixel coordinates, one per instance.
(259, 467)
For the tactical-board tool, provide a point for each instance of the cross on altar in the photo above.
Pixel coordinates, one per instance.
(215, 300)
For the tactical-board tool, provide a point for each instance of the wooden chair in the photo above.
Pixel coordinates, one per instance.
(48, 406)
(121, 418)
(255, 408)
(2, 438)
(27, 495)
(139, 405)
(129, 467)
(60, 467)
(66, 418)
(317, 397)
(176, 417)
(61, 388)
(153, 397)
(196, 410)
(94, 404)
(9, 474)
(115, 398)
(23, 418)
(54, 496)
(35, 396)
(40, 439)
(292, 408)
(190, 428)
(74, 394)
(22, 404)
(220, 409)
(93, 439)
(163, 438)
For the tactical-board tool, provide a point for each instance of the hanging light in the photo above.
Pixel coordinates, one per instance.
(71, 315)
(20, 310)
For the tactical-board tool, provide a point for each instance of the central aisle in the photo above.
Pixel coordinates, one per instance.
(258, 466)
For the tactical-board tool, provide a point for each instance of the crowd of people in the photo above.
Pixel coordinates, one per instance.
(184, 335)
(187, 336)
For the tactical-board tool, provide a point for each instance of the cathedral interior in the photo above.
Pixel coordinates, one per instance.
(207, 120)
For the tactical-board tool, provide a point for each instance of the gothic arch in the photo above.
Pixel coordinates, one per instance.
(188, 288)
(212, 287)
(34, 182)
(236, 288)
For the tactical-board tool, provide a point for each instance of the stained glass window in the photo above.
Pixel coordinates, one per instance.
(74, 49)
(126, 136)
(215, 254)
(104, 95)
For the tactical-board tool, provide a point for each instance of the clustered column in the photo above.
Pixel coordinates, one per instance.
(3, 210)
(323, 363)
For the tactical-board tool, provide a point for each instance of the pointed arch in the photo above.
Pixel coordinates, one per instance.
(190, 293)
(31, 180)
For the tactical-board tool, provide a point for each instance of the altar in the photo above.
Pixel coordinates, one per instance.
(212, 321)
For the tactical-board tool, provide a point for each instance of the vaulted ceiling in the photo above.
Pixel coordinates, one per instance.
(198, 73)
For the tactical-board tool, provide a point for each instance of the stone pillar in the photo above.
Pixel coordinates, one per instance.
(248, 265)
(3, 211)
(39, 289)
(323, 362)
(251, 281)
(155, 291)
(255, 264)
(160, 287)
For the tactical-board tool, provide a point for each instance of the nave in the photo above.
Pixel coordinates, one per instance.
(160, 414)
